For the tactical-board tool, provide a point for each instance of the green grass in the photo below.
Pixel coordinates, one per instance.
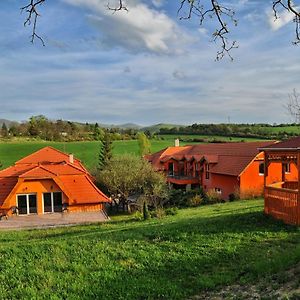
(172, 258)
(172, 137)
(87, 152)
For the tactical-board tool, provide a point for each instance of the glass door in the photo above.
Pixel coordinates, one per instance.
(27, 204)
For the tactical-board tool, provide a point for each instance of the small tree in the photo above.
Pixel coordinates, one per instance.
(293, 106)
(105, 153)
(4, 130)
(144, 144)
(128, 175)
(145, 211)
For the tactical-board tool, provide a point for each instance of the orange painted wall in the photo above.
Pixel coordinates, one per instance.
(252, 184)
(37, 187)
(228, 184)
(85, 207)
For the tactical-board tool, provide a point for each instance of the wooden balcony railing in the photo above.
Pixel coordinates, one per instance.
(283, 203)
(292, 185)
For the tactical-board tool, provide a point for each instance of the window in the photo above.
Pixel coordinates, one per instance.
(261, 168)
(171, 169)
(52, 202)
(26, 204)
(287, 168)
(207, 171)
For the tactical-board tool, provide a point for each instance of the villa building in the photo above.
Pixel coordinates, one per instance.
(48, 181)
(226, 168)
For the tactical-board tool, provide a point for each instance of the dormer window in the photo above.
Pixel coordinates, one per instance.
(287, 167)
(261, 168)
(207, 171)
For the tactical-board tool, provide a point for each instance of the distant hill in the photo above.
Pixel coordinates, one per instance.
(121, 126)
(157, 127)
(8, 123)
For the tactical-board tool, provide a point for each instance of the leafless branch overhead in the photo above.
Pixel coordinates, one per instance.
(217, 10)
(289, 6)
(32, 15)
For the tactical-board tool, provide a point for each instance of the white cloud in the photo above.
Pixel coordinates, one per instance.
(139, 29)
(158, 3)
(285, 17)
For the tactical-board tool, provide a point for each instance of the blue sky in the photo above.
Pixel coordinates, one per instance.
(145, 66)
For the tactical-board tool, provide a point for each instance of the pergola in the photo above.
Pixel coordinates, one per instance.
(282, 198)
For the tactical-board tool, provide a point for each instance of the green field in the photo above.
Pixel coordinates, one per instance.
(87, 152)
(171, 137)
(171, 258)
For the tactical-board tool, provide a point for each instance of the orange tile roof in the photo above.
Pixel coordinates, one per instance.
(49, 163)
(82, 189)
(48, 155)
(229, 158)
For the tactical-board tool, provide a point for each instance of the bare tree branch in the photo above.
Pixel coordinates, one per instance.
(293, 106)
(203, 9)
(32, 15)
(289, 6)
(117, 8)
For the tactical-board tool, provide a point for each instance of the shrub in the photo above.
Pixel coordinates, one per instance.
(171, 211)
(158, 213)
(213, 196)
(138, 216)
(182, 198)
(195, 200)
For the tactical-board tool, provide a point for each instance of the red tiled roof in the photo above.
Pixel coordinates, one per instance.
(292, 144)
(229, 158)
(231, 165)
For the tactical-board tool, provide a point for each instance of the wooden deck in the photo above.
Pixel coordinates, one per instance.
(282, 203)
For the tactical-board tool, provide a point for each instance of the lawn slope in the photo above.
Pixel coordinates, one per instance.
(173, 258)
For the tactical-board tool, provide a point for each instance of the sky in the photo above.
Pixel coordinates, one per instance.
(145, 66)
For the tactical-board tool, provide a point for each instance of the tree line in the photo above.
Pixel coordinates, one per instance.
(265, 131)
(40, 127)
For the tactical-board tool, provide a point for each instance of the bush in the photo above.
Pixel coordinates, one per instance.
(171, 211)
(213, 196)
(195, 201)
(158, 213)
(182, 198)
(138, 216)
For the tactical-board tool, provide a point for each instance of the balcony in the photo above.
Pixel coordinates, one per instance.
(178, 178)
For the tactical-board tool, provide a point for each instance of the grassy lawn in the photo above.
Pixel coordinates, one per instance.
(172, 258)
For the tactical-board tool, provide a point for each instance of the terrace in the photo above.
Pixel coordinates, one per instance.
(282, 198)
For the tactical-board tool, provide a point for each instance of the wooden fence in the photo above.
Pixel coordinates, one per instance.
(283, 204)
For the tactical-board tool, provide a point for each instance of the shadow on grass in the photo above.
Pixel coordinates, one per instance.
(236, 221)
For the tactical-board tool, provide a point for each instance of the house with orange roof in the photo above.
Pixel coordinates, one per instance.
(48, 181)
(226, 168)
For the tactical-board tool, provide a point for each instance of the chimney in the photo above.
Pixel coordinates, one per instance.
(71, 158)
(177, 143)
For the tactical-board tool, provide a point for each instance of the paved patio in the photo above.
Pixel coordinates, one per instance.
(52, 220)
